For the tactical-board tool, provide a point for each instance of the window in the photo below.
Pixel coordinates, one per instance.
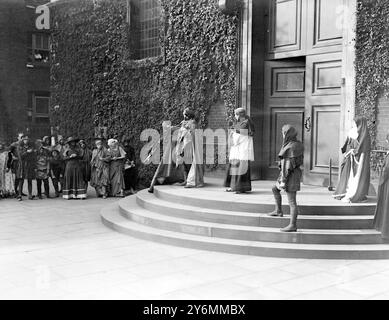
(40, 108)
(144, 17)
(40, 48)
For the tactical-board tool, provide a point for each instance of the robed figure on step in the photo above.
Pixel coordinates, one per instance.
(238, 178)
(381, 217)
(354, 179)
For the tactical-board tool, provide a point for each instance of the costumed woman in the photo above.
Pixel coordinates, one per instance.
(100, 168)
(381, 217)
(354, 179)
(188, 157)
(116, 168)
(86, 159)
(130, 169)
(291, 158)
(74, 181)
(238, 177)
(7, 181)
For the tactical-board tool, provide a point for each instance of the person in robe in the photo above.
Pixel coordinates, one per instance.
(74, 181)
(100, 168)
(188, 157)
(26, 169)
(15, 163)
(56, 171)
(381, 216)
(42, 169)
(238, 177)
(354, 182)
(130, 169)
(116, 168)
(61, 148)
(6, 177)
(291, 157)
(86, 159)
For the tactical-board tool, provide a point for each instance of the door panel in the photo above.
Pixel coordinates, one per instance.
(284, 104)
(322, 112)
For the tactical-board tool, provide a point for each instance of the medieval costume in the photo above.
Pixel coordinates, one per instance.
(57, 168)
(7, 180)
(130, 169)
(26, 166)
(116, 167)
(14, 163)
(291, 158)
(354, 179)
(381, 217)
(42, 169)
(86, 159)
(188, 153)
(238, 178)
(74, 181)
(100, 169)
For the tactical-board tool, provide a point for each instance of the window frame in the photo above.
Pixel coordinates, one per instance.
(33, 47)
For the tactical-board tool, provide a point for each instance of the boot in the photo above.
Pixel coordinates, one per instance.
(292, 227)
(278, 208)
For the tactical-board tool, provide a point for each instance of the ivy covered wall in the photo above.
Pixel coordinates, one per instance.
(93, 80)
(372, 59)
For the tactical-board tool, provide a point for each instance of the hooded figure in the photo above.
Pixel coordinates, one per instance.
(354, 179)
(291, 158)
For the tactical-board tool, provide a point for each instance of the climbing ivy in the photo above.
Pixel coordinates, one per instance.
(372, 58)
(94, 80)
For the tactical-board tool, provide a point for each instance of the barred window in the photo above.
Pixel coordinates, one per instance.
(144, 17)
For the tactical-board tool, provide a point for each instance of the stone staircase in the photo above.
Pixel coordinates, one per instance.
(212, 219)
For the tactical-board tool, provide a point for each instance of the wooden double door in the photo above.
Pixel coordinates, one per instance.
(305, 93)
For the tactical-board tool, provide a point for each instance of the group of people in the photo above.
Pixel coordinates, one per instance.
(70, 165)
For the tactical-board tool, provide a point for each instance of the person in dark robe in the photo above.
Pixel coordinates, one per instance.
(26, 166)
(56, 171)
(354, 182)
(42, 169)
(116, 168)
(381, 216)
(100, 168)
(238, 177)
(130, 169)
(74, 181)
(291, 157)
(86, 159)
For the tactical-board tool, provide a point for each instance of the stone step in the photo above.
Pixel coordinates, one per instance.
(261, 202)
(131, 210)
(113, 219)
(154, 204)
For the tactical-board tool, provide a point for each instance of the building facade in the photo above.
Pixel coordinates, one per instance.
(24, 71)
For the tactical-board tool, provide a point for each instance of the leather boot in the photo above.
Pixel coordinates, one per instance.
(292, 227)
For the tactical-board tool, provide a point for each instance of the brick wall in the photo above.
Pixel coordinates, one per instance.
(16, 80)
(382, 121)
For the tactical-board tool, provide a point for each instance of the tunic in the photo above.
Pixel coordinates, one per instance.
(42, 164)
(100, 168)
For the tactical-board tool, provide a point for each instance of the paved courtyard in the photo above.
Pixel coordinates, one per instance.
(57, 249)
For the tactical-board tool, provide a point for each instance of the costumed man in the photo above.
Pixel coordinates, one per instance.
(42, 169)
(26, 166)
(238, 177)
(130, 169)
(86, 159)
(354, 182)
(15, 163)
(291, 158)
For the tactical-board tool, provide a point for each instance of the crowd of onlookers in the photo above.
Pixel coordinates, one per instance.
(71, 165)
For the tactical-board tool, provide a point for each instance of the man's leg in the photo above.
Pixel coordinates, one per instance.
(292, 227)
(47, 187)
(39, 187)
(29, 185)
(19, 188)
(278, 200)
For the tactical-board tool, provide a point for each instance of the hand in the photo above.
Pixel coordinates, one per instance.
(282, 185)
(7, 170)
(114, 158)
(73, 155)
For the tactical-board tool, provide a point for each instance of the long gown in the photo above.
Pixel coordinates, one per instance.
(381, 218)
(354, 179)
(7, 180)
(238, 176)
(100, 170)
(116, 168)
(189, 154)
(74, 181)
